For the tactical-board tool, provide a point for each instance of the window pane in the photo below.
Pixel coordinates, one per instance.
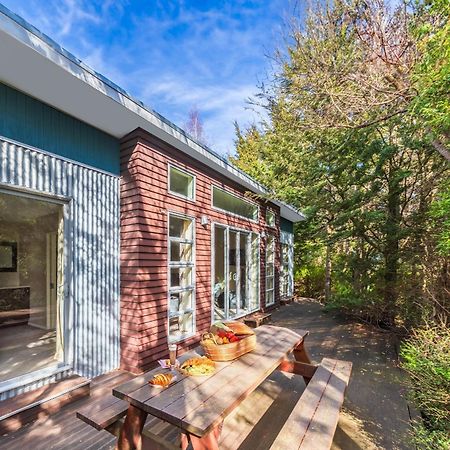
(180, 227)
(181, 325)
(219, 272)
(254, 272)
(233, 275)
(181, 183)
(270, 266)
(270, 218)
(180, 302)
(180, 277)
(235, 205)
(180, 252)
(244, 272)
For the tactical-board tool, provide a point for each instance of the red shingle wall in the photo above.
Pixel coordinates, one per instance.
(145, 204)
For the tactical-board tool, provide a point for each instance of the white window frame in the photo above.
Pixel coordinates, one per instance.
(258, 270)
(174, 265)
(270, 236)
(186, 172)
(238, 197)
(271, 211)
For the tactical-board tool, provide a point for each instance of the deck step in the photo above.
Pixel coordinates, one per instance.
(24, 408)
(257, 319)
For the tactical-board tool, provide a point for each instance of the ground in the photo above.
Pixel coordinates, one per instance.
(375, 413)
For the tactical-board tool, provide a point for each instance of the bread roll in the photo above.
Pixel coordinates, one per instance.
(240, 329)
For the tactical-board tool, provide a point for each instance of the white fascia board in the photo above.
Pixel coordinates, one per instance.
(39, 67)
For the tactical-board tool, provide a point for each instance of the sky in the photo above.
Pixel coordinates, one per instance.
(172, 55)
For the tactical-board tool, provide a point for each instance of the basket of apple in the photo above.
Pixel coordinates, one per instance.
(228, 341)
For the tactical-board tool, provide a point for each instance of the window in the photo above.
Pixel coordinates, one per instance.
(285, 271)
(270, 218)
(270, 270)
(232, 204)
(181, 277)
(181, 183)
(235, 272)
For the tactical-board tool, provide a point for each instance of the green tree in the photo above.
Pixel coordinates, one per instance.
(341, 143)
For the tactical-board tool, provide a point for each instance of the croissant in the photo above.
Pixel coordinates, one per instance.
(161, 379)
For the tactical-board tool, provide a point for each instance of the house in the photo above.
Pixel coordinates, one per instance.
(119, 233)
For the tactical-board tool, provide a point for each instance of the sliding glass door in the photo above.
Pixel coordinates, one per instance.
(235, 272)
(31, 327)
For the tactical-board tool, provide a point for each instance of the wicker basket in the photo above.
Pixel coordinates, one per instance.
(228, 352)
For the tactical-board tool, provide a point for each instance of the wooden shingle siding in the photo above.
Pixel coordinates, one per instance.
(145, 204)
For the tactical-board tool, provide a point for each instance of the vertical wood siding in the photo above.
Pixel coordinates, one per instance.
(145, 203)
(27, 120)
(91, 249)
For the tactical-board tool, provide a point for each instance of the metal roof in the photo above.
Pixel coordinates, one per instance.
(63, 81)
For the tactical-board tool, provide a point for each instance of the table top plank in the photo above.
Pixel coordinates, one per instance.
(197, 386)
(195, 404)
(195, 398)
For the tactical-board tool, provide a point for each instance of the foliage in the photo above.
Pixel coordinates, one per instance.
(426, 357)
(426, 439)
(357, 137)
(431, 74)
(440, 212)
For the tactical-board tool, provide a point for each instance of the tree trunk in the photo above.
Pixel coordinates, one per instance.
(441, 148)
(391, 254)
(328, 273)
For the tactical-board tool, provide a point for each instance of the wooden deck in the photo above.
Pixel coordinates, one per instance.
(63, 431)
(252, 426)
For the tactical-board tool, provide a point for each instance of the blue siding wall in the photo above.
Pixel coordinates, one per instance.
(287, 225)
(27, 120)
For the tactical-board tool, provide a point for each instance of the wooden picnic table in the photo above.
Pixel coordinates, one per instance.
(198, 405)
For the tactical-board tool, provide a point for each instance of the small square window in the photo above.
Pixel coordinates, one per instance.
(181, 183)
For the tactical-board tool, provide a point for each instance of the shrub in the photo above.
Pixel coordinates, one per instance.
(426, 357)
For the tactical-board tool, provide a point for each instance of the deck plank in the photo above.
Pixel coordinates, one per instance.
(62, 430)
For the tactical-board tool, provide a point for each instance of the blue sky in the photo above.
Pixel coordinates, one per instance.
(172, 55)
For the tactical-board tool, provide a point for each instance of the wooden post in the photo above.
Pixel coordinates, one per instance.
(302, 355)
(207, 442)
(130, 436)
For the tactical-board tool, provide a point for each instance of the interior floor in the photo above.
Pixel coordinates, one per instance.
(24, 349)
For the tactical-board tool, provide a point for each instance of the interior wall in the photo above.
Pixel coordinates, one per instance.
(31, 261)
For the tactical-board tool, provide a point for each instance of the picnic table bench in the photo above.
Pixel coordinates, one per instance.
(190, 412)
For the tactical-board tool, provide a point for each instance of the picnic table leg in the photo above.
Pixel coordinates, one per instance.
(207, 442)
(130, 435)
(302, 355)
